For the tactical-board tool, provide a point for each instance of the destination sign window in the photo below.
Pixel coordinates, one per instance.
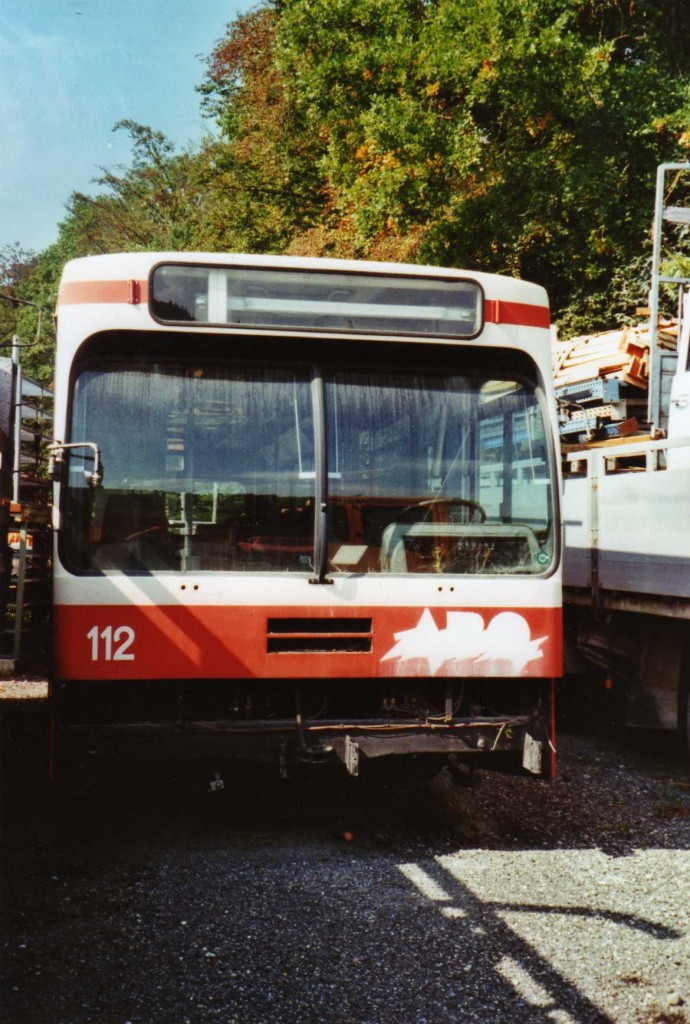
(316, 300)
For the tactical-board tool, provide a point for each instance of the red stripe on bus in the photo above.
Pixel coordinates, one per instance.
(131, 292)
(496, 311)
(522, 314)
(219, 642)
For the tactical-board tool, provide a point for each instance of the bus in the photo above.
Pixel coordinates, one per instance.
(305, 510)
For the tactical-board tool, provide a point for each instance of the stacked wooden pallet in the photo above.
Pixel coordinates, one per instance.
(620, 358)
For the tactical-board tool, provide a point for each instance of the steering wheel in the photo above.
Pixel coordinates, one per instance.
(473, 506)
(156, 529)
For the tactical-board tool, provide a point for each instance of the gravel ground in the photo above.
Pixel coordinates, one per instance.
(147, 899)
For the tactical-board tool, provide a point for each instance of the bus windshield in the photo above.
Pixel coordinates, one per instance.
(216, 466)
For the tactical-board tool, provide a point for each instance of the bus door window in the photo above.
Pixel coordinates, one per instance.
(514, 478)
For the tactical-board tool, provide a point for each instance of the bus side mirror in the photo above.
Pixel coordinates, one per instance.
(94, 479)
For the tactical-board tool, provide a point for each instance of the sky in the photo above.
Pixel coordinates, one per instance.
(69, 70)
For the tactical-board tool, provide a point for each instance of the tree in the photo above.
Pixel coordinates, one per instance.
(21, 314)
(261, 177)
(518, 136)
(510, 136)
(151, 205)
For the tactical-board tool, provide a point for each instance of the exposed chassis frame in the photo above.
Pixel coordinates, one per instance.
(288, 742)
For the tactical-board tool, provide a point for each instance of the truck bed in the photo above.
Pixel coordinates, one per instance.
(626, 515)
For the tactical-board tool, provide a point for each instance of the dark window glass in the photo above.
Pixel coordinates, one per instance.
(316, 300)
(436, 476)
(203, 470)
(213, 468)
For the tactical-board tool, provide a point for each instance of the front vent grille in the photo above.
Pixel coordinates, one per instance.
(319, 636)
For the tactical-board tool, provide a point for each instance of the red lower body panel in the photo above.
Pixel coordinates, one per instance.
(225, 642)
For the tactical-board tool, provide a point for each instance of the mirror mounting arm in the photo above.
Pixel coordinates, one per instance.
(57, 460)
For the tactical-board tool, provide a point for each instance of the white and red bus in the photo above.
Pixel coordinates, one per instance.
(305, 510)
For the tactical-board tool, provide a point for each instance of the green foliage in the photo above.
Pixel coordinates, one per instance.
(512, 136)
(16, 265)
(518, 136)
(23, 314)
(149, 206)
(263, 183)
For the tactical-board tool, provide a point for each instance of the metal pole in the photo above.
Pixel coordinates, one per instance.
(654, 397)
(654, 406)
(21, 586)
(17, 418)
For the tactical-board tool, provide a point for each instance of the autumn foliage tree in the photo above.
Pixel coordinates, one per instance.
(513, 136)
(518, 136)
(263, 180)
